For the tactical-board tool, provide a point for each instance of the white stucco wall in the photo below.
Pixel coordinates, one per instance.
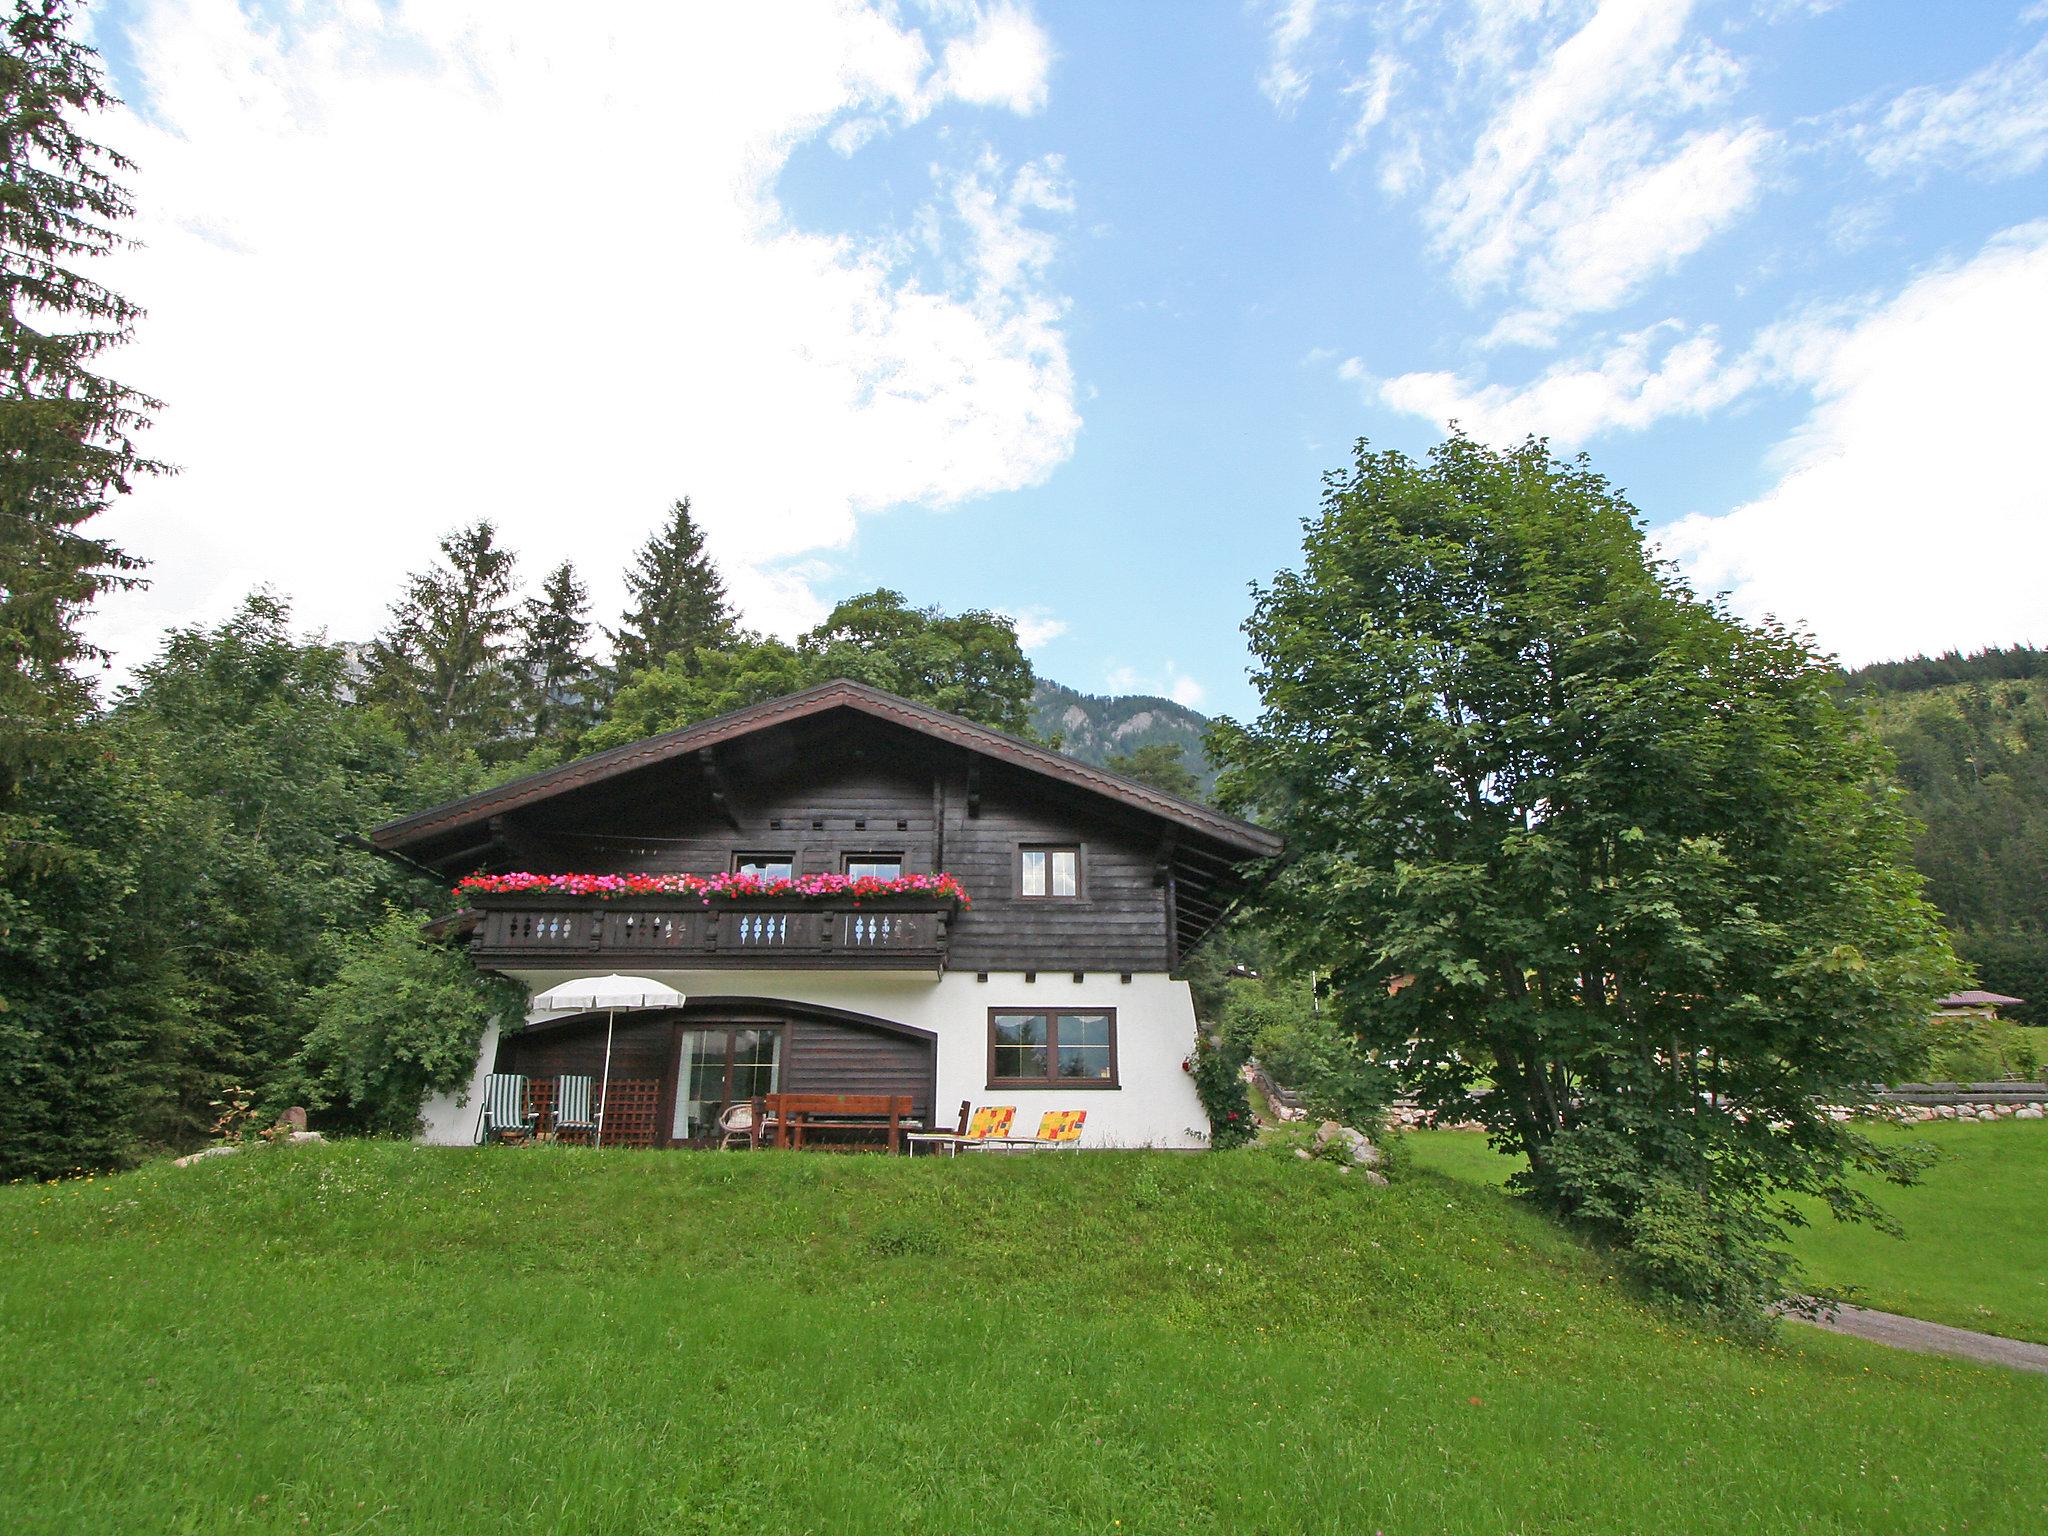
(449, 1119)
(1155, 1104)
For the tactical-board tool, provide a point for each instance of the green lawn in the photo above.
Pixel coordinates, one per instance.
(1975, 1253)
(380, 1338)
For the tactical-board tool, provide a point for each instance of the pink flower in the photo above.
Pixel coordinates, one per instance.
(734, 886)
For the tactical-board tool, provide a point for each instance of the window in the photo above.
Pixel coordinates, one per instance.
(1048, 871)
(1053, 1048)
(765, 866)
(874, 866)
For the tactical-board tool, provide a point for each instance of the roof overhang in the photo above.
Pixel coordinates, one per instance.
(1233, 839)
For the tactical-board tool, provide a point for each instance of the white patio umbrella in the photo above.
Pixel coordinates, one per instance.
(615, 994)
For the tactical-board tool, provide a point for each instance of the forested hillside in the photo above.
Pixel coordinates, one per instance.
(1971, 737)
(1097, 728)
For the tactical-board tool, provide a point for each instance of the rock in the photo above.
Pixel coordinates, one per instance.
(1376, 1179)
(299, 1136)
(188, 1161)
(2028, 1112)
(1304, 1154)
(1328, 1132)
(295, 1118)
(1362, 1152)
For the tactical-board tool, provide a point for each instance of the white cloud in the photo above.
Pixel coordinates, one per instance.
(1911, 514)
(1641, 378)
(1288, 71)
(1995, 121)
(1168, 683)
(1037, 627)
(1374, 93)
(1004, 62)
(415, 264)
(1578, 189)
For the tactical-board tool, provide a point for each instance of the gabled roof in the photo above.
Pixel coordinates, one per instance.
(1241, 839)
(1979, 1000)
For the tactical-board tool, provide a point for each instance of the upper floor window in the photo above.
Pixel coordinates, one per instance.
(874, 866)
(1048, 870)
(765, 866)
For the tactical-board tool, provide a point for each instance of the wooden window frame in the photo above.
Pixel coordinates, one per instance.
(759, 856)
(1052, 1053)
(873, 856)
(1080, 853)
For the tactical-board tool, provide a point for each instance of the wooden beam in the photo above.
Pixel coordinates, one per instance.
(973, 789)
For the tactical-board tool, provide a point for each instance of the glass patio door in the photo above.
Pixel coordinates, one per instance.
(718, 1066)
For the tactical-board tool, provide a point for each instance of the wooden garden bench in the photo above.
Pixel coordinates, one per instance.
(795, 1115)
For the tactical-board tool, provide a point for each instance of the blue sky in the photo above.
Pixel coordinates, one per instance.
(1065, 309)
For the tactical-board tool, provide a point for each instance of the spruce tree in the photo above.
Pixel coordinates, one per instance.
(679, 606)
(555, 673)
(442, 666)
(67, 432)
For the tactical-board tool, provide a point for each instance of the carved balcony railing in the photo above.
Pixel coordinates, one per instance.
(897, 934)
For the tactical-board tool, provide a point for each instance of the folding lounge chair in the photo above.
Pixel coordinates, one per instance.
(505, 1111)
(572, 1106)
(990, 1123)
(1056, 1128)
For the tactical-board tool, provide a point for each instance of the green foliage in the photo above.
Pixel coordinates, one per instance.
(554, 674)
(1917, 674)
(1973, 757)
(402, 1017)
(67, 433)
(1311, 1052)
(679, 605)
(1647, 881)
(969, 664)
(683, 691)
(1977, 1048)
(1160, 764)
(97, 979)
(442, 666)
(1217, 1066)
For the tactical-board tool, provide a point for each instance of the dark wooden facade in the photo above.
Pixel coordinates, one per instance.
(847, 771)
(823, 1050)
(838, 773)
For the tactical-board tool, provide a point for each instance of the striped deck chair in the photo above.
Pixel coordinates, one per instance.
(572, 1106)
(505, 1111)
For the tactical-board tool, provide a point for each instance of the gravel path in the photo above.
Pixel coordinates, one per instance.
(1931, 1338)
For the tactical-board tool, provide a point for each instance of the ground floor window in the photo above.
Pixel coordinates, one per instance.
(1052, 1048)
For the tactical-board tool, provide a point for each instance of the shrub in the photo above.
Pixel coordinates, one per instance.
(1216, 1066)
(1313, 1054)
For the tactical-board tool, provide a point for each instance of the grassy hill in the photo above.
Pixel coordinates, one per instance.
(381, 1338)
(1979, 1202)
(1097, 727)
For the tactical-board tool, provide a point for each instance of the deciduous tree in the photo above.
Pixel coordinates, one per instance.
(1561, 829)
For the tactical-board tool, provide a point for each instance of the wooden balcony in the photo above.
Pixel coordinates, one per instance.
(664, 933)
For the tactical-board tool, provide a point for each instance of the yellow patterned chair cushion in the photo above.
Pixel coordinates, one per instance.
(1062, 1125)
(991, 1120)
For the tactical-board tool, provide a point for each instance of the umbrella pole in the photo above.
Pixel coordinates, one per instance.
(604, 1094)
